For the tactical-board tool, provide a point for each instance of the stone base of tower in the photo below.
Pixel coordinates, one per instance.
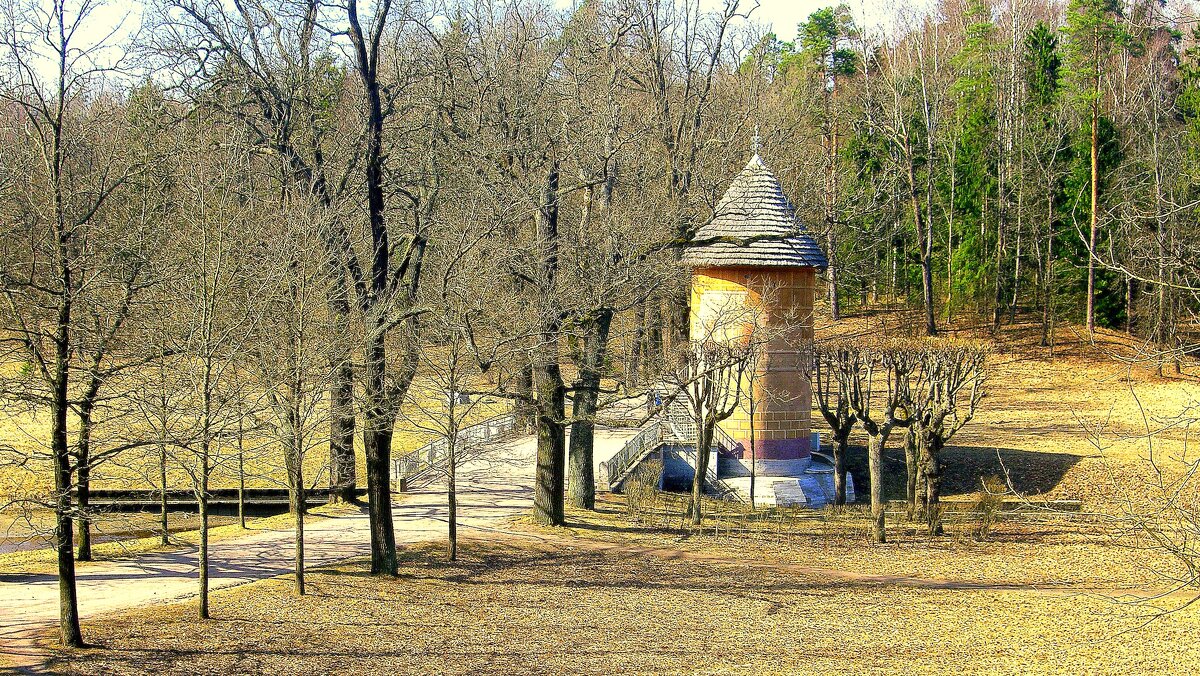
(795, 481)
(744, 467)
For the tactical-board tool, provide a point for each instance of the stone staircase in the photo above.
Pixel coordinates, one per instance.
(674, 429)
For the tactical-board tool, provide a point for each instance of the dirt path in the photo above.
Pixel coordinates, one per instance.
(492, 488)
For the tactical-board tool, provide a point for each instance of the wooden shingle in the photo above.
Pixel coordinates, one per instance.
(755, 207)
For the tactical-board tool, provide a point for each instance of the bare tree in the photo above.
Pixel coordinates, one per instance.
(837, 368)
(65, 148)
(291, 347)
(709, 379)
(215, 295)
(268, 67)
(881, 400)
(944, 401)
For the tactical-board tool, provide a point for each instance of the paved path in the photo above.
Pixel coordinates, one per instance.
(493, 487)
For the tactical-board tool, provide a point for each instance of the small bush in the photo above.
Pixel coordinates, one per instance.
(987, 508)
(641, 487)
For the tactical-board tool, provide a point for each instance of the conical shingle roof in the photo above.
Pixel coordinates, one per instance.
(754, 206)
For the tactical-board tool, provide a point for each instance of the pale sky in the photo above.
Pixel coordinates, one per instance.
(782, 16)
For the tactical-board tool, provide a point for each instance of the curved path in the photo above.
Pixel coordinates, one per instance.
(492, 487)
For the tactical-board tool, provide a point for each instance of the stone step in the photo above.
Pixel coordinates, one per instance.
(789, 493)
(814, 492)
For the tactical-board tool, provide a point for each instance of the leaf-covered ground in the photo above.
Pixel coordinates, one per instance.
(564, 607)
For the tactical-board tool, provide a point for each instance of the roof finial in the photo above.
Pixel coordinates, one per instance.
(755, 142)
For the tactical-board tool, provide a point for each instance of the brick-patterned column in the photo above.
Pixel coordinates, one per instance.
(783, 397)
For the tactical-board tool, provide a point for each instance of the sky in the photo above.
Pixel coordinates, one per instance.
(779, 16)
(782, 16)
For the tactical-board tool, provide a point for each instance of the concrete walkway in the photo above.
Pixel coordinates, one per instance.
(492, 488)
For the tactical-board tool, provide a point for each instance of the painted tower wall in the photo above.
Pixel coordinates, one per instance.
(726, 303)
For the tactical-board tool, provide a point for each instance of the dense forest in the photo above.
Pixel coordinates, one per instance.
(300, 208)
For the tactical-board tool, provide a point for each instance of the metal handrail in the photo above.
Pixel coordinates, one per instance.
(646, 440)
(674, 424)
(434, 455)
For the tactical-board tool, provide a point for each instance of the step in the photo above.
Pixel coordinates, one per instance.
(789, 493)
(814, 492)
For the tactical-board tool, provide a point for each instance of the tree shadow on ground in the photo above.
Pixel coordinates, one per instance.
(964, 467)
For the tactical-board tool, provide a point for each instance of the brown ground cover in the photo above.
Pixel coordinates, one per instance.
(558, 607)
(632, 591)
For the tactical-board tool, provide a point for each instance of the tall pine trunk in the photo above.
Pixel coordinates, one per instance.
(1095, 174)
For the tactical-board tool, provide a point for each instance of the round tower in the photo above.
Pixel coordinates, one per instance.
(754, 270)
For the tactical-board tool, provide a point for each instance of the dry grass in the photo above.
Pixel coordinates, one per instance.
(1067, 425)
(557, 608)
(1059, 552)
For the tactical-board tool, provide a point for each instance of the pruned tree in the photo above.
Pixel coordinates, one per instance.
(882, 401)
(945, 399)
(836, 370)
(709, 380)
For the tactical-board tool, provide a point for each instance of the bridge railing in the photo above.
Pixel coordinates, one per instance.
(647, 439)
(410, 467)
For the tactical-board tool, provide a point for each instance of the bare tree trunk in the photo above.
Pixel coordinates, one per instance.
(912, 470)
(164, 528)
(83, 482)
(68, 606)
(835, 307)
(1048, 275)
(202, 506)
(551, 447)
(653, 336)
(549, 488)
(753, 457)
(634, 371)
(342, 471)
(378, 422)
(839, 448)
(524, 410)
(875, 468)
(931, 467)
(705, 434)
(924, 250)
(299, 506)
(241, 446)
(452, 490)
(590, 361)
(680, 312)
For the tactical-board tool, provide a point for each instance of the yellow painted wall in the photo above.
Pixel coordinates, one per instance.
(726, 303)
